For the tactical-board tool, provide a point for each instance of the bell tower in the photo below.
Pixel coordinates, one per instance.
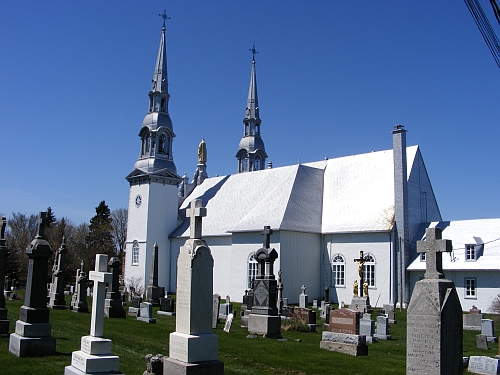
(153, 202)
(251, 153)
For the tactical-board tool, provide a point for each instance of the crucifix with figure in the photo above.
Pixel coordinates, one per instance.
(361, 261)
(433, 247)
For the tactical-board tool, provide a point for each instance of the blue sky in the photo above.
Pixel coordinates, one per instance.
(334, 77)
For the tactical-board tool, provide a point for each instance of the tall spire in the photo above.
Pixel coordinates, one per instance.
(251, 153)
(157, 131)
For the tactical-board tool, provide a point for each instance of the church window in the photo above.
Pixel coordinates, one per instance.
(470, 253)
(422, 257)
(244, 163)
(256, 129)
(145, 143)
(470, 287)
(151, 104)
(369, 270)
(257, 164)
(338, 270)
(252, 270)
(162, 104)
(163, 144)
(135, 253)
(247, 127)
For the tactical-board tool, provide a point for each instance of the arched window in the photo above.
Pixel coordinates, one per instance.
(252, 270)
(369, 270)
(256, 129)
(338, 270)
(151, 104)
(162, 149)
(162, 106)
(135, 253)
(244, 163)
(257, 164)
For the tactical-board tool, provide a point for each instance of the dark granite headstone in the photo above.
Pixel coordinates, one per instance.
(434, 344)
(32, 337)
(4, 253)
(154, 365)
(154, 292)
(113, 307)
(80, 301)
(307, 315)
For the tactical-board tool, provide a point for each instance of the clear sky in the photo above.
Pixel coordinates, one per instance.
(334, 77)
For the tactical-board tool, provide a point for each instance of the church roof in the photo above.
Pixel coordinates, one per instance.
(348, 194)
(468, 232)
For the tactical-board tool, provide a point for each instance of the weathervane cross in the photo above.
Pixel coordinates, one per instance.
(254, 51)
(164, 16)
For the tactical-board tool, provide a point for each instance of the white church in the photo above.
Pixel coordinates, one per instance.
(322, 213)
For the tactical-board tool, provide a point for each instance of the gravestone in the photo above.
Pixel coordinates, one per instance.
(389, 312)
(135, 309)
(32, 337)
(488, 329)
(472, 320)
(154, 365)
(225, 308)
(193, 348)
(303, 298)
(434, 344)
(154, 292)
(327, 294)
(483, 365)
(264, 319)
(367, 328)
(167, 306)
(95, 355)
(229, 322)
(146, 314)
(307, 315)
(79, 300)
(382, 332)
(279, 301)
(482, 342)
(215, 310)
(315, 304)
(113, 307)
(56, 296)
(343, 333)
(4, 253)
(246, 307)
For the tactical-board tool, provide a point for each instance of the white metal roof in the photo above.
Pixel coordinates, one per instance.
(468, 232)
(348, 194)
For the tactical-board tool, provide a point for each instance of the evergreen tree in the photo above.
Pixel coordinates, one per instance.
(99, 239)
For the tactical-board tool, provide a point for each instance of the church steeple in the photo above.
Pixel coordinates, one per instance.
(251, 153)
(157, 131)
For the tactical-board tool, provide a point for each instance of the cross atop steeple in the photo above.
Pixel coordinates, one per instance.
(254, 51)
(164, 16)
(433, 247)
(43, 222)
(267, 237)
(196, 212)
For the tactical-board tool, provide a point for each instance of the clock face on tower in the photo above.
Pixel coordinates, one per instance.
(138, 200)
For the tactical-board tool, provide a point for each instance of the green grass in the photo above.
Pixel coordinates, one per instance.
(300, 354)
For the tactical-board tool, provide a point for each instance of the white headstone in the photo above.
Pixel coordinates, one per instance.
(100, 277)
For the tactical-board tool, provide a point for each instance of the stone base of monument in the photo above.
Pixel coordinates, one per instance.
(382, 337)
(173, 366)
(166, 313)
(56, 302)
(113, 308)
(265, 325)
(354, 345)
(32, 346)
(4, 322)
(193, 348)
(94, 356)
(361, 304)
(147, 319)
(154, 293)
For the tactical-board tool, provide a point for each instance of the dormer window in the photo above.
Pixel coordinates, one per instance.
(422, 257)
(470, 253)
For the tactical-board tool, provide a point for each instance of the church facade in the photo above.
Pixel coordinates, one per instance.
(322, 213)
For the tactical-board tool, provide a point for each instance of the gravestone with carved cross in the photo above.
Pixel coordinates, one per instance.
(193, 344)
(95, 355)
(264, 319)
(4, 253)
(434, 316)
(32, 337)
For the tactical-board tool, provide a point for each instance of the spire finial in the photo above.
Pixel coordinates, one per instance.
(164, 16)
(254, 51)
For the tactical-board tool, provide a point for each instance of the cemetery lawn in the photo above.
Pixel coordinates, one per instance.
(300, 354)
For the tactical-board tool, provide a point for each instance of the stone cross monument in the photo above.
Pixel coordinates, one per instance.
(264, 319)
(359, 301)
(434, 317)
(56, 300)
(193, 347)
(4, 253)
(79, 304)
(32, 335)
(95, 351)
(113, 307)
(154, 292)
